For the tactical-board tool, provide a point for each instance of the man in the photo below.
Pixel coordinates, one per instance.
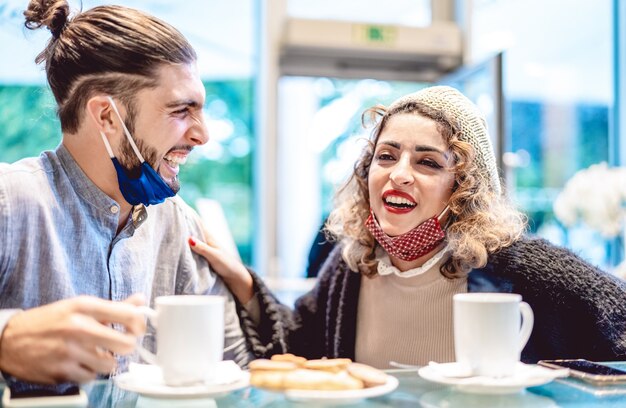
(92, 229)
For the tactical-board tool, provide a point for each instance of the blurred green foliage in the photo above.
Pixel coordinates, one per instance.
(29, 125)
(28, 122)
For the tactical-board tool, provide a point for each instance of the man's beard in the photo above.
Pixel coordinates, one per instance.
(129, 160)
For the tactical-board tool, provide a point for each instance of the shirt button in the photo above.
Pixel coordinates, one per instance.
(115, 209)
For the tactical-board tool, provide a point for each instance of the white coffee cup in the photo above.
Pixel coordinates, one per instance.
(189, 337)
(490, 332)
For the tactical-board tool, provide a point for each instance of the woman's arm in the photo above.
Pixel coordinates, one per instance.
(277, 328)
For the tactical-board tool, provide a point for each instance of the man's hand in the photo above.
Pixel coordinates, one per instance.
(69, 340)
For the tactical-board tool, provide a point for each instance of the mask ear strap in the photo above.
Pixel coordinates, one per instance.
(128, 136)
(443, 213)
(107, 145)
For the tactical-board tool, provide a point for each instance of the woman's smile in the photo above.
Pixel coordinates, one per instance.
(398, 202)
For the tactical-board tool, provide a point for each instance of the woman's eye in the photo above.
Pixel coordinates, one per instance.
(385, 156)
(430, 163)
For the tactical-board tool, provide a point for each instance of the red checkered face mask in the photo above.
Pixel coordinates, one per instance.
(413, 244)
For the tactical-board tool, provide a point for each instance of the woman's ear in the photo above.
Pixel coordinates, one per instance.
(100, 112)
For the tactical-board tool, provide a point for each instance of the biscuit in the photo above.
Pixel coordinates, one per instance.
(268, 379)
(289, 357)
(271, 365)
(370, 376)
(348, 382)
(328, 364)
(304, 379)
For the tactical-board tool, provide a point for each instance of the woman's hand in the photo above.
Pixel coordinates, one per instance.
(228, 266)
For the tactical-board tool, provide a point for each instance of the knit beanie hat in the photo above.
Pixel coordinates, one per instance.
(471, 123)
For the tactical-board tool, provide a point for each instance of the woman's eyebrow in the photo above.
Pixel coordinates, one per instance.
(390, 143)
(426, 148)
(418, 148)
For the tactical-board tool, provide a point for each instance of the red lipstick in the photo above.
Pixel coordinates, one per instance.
(394, 209)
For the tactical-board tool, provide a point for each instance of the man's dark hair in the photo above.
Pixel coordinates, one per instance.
(109, 49)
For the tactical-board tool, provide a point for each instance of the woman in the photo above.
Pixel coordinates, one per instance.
(421, 219)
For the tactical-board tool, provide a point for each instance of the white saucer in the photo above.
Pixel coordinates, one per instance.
(525, 376)
(146, 380)
(342, 397)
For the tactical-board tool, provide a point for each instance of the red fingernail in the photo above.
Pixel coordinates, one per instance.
(192, 242)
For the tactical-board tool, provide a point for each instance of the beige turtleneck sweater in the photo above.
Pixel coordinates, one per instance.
(407, 320)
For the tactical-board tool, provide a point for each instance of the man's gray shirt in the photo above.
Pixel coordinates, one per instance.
(58, 240)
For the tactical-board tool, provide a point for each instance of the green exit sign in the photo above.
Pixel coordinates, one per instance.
(375, 34)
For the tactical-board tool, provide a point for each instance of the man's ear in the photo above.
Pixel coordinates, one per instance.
(100, 112)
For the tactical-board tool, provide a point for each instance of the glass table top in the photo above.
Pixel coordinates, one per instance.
(413, 391)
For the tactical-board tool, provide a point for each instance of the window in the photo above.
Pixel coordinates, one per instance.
(559, 87)
(415, 13)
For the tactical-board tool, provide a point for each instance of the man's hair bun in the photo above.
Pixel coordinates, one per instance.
(52, 14)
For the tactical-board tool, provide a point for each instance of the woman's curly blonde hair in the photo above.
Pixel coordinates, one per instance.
(482, 221)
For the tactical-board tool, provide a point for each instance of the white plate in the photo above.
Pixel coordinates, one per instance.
(525, 376)
(342, 397)
(146, 380)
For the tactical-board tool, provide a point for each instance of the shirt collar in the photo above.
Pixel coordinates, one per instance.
(89, 191)
(385, 267)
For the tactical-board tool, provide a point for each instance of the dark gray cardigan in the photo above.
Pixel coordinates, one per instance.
(580, 311)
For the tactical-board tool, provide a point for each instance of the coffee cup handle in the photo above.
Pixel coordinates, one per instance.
(528, 319)
(147, 356)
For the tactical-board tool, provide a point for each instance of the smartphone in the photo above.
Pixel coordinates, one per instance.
(27, 397)
(588, 371)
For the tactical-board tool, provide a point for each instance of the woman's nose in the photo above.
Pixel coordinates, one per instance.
(402, 173)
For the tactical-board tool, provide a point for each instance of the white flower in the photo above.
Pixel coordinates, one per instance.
(595, 196)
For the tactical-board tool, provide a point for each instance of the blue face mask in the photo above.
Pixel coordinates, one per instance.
(148, 188)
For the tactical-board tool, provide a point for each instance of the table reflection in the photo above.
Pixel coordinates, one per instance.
(147, 402)
(452, 399)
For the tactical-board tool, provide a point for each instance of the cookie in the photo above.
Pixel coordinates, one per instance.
(305, 379)
(271, 365)
(328, 364)
(268, 379)
(348, 382)
(370, 376)
(289, 357)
